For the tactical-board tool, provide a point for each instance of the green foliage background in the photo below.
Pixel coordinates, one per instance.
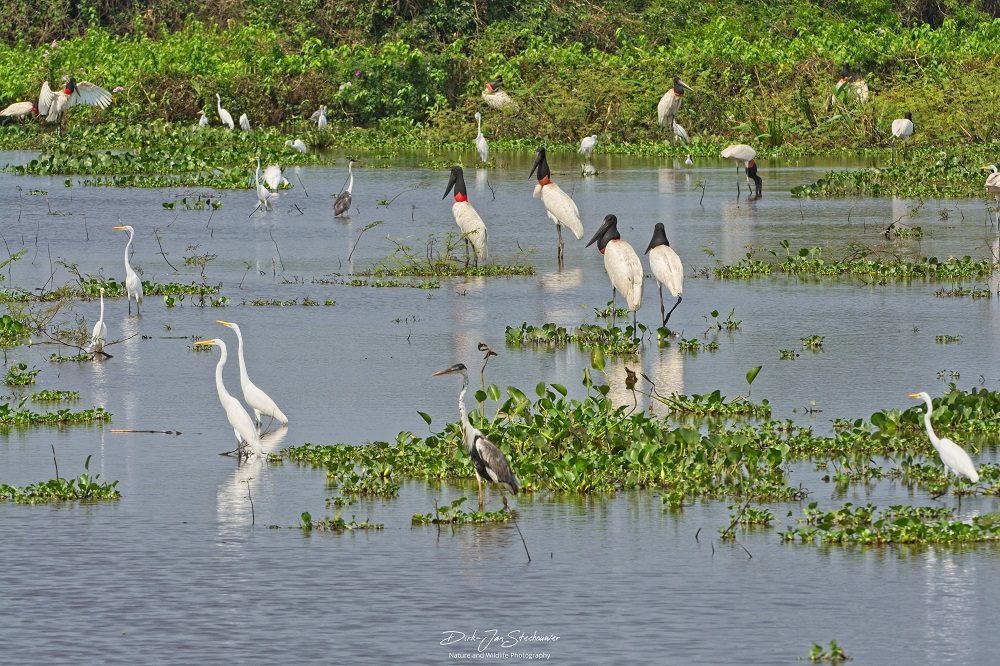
(762, 71)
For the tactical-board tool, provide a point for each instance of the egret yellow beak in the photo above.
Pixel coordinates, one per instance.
(914, 395)
(119, 228)
(224, 323)
(202, 343)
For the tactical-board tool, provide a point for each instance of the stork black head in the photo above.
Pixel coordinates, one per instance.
(457, 368)
(71, 86)
(541, 164)
(680, 86)
(908, 116)
(845, 71)
(659, 237)
(607, 233)
(456, 181)
(495, 84)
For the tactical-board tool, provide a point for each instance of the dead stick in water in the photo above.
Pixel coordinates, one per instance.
(155, 432)
(522, 537)
(56, 462)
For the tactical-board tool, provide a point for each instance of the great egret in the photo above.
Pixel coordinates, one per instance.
(902, 128)
(264, 195)
(992, 180)
(260, 402)
(343, 202)
(481, 145)
(952, 455)
(743, 154)
(666, 267)
(855, 86)
(243, 427)
(202, 119)
(494, 96)
(622, 264)
(488, 460)
(19, 110)
(100, 333)
(133, 285)
(318, 113)
(224, 116)
(244, 123)
(53, 104)
(671, 102)
(321, 122)
(298, 145)
(468, 220)
(587, 144)
(559, 207)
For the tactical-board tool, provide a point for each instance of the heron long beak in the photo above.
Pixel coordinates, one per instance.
(600, 232)
(204, 343)
(120, 228)
(451, 183)
(914, 395)
(446, 371)
(224, 323)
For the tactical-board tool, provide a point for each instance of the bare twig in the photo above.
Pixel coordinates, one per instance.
(271, 234)
(156, 235)
(128, 431)
(371, 225)
(54, 461)
(522, 537)
(253, 517)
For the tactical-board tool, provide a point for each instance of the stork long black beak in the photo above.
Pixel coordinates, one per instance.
(539, 156)
(685, 86)
(600, 232)
(451, 183)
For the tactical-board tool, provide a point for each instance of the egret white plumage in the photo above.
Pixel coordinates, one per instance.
(992, 180)
(53, 104)
(666, 267)
(487, 459)
(202, 119)
(19, 110)
(902, 128)
(243, 427)
(622, 264)
(559, 207)
(260, 402)
(319, 116)
(952, 455)
(133, 285)
(494, 95)
(264, 195)
(688, 161)
(343, 202)
(587, 145)
(99, 335)
(481, 146)
(468, 220)
(850, 85)
(224, 116)
(298, 145)
(670, 103)
(244, 123)
(744, 154)
(321, 122)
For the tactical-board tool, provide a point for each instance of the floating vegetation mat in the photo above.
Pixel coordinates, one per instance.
(85, 487)
(609, 339)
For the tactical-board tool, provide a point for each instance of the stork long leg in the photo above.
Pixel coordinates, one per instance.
(466, 252)
(663, 315)
(614, 310)
(738, 190)
(559, 250)
(667, 318)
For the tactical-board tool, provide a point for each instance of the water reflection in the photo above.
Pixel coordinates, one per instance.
(951, 605)
(233, 500)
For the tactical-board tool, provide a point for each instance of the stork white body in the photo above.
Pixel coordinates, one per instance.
(224, 116)
(18, 110)
(625, 270)
(741, 154)
(902, 128)
(53, 103)
(666, 267)
(560, 208)
(473, 228)
(497, 99)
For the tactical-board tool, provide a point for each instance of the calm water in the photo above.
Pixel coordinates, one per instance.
(176, 572)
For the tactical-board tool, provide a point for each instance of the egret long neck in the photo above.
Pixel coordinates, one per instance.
(219, 386)
(128, 246)
(244, 377)
(466, 426)
(102, 307)
(927, 423)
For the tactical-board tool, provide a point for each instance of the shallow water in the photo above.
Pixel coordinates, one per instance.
(175, 572)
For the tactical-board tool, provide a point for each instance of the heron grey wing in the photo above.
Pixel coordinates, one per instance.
(91, 95)
(342, 203)
(496, 464)
(315, 115)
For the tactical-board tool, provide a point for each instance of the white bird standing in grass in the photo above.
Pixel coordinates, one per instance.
(993, 182)
(260, 402)
(343, 202)
(587, 145)
(298, 145)
(244, 123)
(666, 267)
(202, 119)
(243, 427)
(670, 103)
(622, 264)
(99, 336)
(952, 455)
(133, 285)
(224, 116)
(902, 128)
(481, 145)
(468, 220)
(19, 110)
(319, 116)
(53, 104)
(559, 207)
(494, 96)
(744, 154)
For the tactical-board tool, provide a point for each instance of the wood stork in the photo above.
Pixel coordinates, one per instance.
(343, 202)
(902, 128)
(202, 119)
(744, 154)
(952, 455)
(260, 402)
(236, 414)
(99, 336)
(53, 104)
(494, 95)
(298, 145)
(671, 102)
(481, 145)
(622, 264)
(666, 267)
(559, 207)
(468, 220)
(224, 116)
(19, 110)
(133, 285)
(487, 459)
(587, 145)
(244, 123)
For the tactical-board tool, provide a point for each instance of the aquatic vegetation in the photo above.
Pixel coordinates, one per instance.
(19, 374)
(813, 343)
(897, 524)
(85, 487)
(833, 654)
(610, 312)
(90, 286)
(335, 524)
(787, 354)
(19, 416)
(727, 324)
(75, 358)
(55, 395)
(198, 202)
(965, 292)
(418, 284)
(12, 331)
(947, 339)
(694, 345)
(453, 514)
(373, 481)
(611, 340)
(277, 303)
(714, 404)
